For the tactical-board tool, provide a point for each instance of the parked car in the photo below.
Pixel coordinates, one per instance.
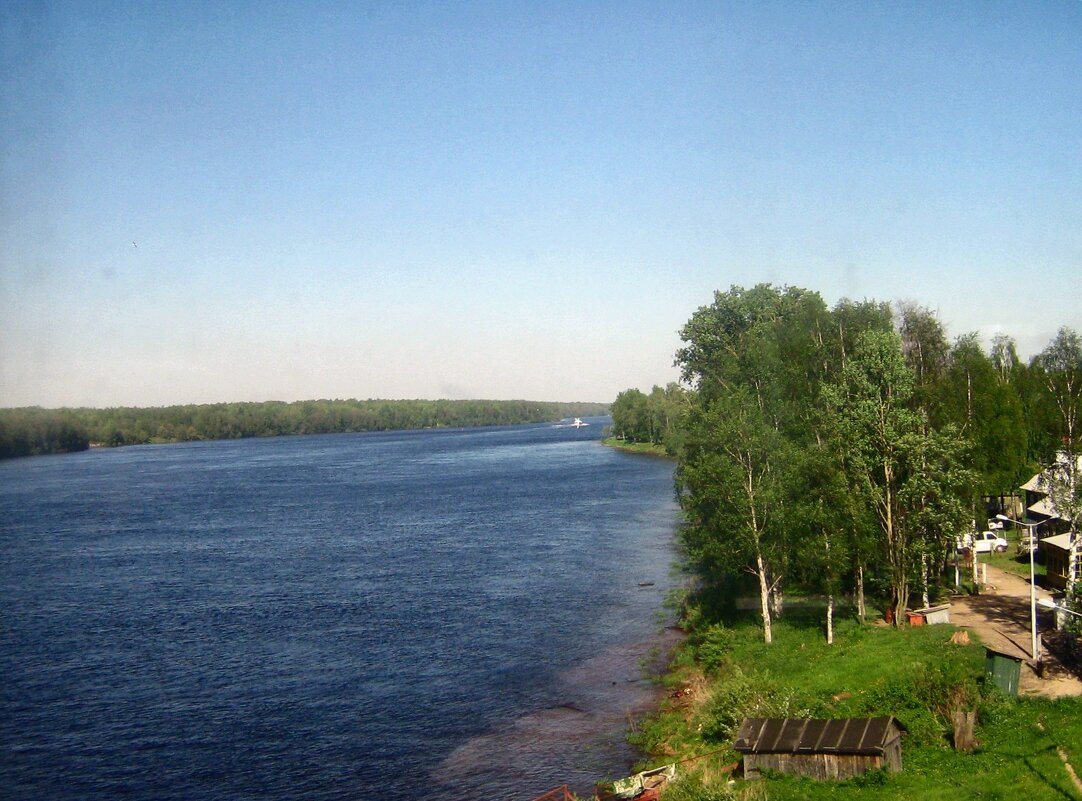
(985, 542)
(1026, 540)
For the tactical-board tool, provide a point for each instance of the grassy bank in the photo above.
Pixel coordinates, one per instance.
(646, 448)
(725, 673)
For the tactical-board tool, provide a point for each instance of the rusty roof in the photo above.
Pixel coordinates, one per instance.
(808, 736)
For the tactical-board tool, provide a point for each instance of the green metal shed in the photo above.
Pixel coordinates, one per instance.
(1003, 670)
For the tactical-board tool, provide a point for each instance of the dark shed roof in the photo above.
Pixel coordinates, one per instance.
(803, 736)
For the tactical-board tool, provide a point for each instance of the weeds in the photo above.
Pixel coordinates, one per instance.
(724, 673)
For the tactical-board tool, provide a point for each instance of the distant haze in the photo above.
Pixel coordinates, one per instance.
(205, 202)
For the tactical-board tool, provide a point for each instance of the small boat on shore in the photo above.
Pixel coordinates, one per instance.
(645, 786)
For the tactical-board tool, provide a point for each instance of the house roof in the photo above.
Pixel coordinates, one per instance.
(1039, 483)
(857, 736)
(1061, 541)
(1043, 507)
(1034, 484)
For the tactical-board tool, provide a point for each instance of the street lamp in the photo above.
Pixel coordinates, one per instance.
(1048, 603)
(1032, 583)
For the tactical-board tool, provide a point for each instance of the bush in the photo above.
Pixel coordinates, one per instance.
(740, 696)
(690, 787)
(714, 648)
(1073, 624)
(923, 698)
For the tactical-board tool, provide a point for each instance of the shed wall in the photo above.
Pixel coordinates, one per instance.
(814, 766)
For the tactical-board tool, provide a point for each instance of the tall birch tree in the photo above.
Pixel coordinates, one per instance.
(731, 481)
(1061, 362)
(879, 434)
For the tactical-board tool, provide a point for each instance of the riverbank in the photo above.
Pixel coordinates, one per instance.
(597, 698)
(642, 448)
(920, 675)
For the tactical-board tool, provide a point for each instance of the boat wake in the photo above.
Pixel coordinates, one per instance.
(576, 423)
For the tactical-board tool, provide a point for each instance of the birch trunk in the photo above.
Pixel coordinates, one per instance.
(764, 598)
(777, 600)
(1074, 559)
(924, 581)
(830, 619)
(862, 611)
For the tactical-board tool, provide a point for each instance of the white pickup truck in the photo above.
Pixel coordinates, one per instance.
(985, 542)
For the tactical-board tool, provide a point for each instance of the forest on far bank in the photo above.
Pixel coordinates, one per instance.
(31, 431)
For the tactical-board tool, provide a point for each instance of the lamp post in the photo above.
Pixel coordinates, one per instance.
(1031, 531)
(1048, 603)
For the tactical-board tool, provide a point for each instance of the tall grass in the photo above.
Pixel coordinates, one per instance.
(725, 673)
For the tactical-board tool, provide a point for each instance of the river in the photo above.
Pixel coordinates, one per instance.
(435, 614)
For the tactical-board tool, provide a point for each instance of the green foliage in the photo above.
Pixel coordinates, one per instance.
(988, 411)
(825, 449)
(26, 432)
(714, 647)
(34, 431)
(738, 695)
(907, 471)
(839, 448)
(654, 419)
(691, 787)
(916, 674)
(1073, 601)
(1061, 366)
(923, 695)
(805, 427)
(872, 778)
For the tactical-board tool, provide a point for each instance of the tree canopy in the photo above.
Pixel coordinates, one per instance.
(820, 446)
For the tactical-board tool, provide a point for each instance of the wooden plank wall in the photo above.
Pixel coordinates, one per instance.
(816, 766)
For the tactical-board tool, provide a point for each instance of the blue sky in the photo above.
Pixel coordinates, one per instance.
(226, 201)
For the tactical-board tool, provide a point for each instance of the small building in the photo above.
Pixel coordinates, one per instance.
(930, 616)
(820, 749)
(1003, 670)
(1057, 558)
(1040, 506)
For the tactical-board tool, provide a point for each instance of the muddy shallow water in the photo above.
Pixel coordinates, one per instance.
(578, 742)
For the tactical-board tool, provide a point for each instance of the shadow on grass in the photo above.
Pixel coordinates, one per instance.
(733, 604)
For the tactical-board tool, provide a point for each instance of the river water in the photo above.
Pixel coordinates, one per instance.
(439, 614)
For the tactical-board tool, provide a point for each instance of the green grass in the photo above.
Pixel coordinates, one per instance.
(915, 674)
(1012, 561)
(635, 447)
(1015, 563)
(1017, 759)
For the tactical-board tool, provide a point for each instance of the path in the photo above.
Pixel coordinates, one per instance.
(1000, 615)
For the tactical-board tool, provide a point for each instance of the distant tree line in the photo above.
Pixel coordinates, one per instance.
(830, 449)
(32, 431)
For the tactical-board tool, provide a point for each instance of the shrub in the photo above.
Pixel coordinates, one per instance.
(714, 648)
(740, 696)
(690, 787)
(923, 697)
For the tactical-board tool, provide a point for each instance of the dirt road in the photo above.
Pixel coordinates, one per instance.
(1000, 615)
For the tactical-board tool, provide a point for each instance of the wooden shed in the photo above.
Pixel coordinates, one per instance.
(1057, 557)
(820, 749)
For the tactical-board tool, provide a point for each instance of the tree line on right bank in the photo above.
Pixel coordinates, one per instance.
(844, 450)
